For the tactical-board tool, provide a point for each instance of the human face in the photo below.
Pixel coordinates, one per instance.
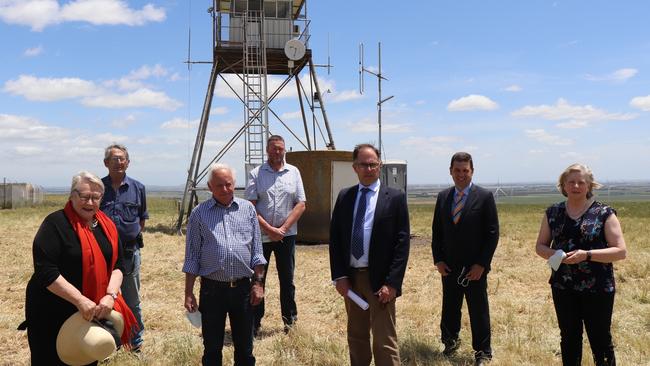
(575, 185)
(117, 162)
(461, 172)
(275, 152)
(222, 186)
(367, 166)
(85, 200)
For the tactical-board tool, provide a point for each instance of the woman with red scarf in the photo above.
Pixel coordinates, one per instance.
(77, 267)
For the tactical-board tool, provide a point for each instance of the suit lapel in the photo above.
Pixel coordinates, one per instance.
(449, 204)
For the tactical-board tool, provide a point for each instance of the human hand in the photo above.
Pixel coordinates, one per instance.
(386, 294)
(103, 309)
(87, 308)
(443, 268)
(257, 293)
(575, 256)
(275, 234)
(475, 272)
(190, 302)
(343, 286)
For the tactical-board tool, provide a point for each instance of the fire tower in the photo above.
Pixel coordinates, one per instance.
(253, 39)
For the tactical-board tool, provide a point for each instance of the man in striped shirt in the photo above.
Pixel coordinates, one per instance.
(223, 247)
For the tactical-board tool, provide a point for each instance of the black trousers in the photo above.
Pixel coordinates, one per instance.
(285, 264)
(479, 311)
(593, 310)
(215, 302)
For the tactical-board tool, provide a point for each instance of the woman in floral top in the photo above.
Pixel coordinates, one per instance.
(581, 238)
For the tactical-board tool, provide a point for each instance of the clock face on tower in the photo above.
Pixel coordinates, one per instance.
(294, 49)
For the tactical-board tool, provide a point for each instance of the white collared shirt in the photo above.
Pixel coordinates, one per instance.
(371, 203)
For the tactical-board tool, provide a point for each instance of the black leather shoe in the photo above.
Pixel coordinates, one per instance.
(482, 358)
(451, 347)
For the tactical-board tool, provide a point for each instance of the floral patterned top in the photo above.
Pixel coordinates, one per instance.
(586, 233)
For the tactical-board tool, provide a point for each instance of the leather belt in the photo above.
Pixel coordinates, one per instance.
(225, 284)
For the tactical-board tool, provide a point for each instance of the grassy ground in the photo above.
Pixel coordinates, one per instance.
(524, 330)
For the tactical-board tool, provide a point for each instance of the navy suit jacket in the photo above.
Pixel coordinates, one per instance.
(389, 241)
(474, 238)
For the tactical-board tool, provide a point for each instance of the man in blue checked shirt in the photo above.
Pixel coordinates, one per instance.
(224, 248)
(125, 202)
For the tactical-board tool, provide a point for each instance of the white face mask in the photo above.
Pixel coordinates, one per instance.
(556, 259)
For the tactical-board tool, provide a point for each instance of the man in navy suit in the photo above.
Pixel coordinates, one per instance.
(465, 236)
(369, 248)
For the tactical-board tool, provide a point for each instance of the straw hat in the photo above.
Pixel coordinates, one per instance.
(81, 342)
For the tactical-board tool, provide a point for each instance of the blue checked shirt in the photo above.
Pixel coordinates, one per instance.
(276, 193)
(223, 243)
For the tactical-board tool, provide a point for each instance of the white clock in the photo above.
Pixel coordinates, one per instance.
(294, 49)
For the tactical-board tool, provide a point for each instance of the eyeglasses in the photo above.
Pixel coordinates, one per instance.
(119, 159)
(89, 196)
(371, 166)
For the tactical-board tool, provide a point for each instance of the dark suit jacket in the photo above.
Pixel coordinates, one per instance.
(389, 241)
(474, 239)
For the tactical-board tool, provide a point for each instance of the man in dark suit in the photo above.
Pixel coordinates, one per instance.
(369, 248)
(465, 236)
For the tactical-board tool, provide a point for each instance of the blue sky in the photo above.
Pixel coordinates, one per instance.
(527, 87)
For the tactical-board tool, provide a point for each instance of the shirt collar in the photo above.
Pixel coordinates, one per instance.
(373, 187)
(266, 166)
(233, 203)
(125, 182)
(465, 191)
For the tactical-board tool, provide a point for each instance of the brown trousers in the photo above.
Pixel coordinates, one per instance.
(379, 318)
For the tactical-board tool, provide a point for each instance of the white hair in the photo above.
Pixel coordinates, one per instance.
(220, 166)
(87, 177)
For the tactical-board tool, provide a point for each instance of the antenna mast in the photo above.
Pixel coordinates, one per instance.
(379, 77)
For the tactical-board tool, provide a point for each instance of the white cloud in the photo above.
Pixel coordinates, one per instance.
(91, 95)
(29, 150)
(39, 14)
(20, 128)
(50, 89)
(291, 115)
(620, 75)
(343, 96)
(472, 102)
(139, 98)
(368, 125)
(124, 122)
(217, 111)
(574, 116)
(642, 103)
(179, 123)
(546, 138)
(34, 51)
(513, 88)
(431, 146)
(133, 80)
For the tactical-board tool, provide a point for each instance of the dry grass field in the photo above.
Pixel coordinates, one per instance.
(524, 330)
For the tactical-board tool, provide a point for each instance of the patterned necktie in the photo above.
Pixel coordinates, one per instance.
(458, 207)
(357, 229)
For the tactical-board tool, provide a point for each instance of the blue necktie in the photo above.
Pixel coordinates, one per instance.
(357, 230)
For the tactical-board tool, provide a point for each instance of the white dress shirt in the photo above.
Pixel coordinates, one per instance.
(371, 203)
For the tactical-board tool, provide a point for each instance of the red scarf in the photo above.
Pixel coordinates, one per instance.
(95, 274)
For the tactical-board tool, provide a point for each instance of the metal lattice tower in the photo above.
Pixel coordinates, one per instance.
(253, 39)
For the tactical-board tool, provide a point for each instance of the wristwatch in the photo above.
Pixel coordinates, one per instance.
(113, 295)
(589, 256)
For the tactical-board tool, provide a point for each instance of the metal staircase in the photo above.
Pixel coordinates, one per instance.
(255, 89)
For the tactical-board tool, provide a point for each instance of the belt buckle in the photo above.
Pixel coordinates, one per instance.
(233, 284)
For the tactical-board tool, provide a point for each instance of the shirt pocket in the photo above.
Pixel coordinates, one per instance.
(130, 211)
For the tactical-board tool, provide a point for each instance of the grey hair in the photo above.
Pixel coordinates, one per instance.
(107, 151)
(220, 166)
(584, 170)
(87, 177)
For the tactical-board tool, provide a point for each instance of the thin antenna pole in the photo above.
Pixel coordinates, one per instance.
(379, 99)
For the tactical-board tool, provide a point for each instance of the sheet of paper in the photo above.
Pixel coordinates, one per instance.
(358, 300)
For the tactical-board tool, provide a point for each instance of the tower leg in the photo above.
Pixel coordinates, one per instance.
(189, 194)
(312, 70)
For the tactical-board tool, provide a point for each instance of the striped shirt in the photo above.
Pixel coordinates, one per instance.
(276, 194)
(223, 243)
